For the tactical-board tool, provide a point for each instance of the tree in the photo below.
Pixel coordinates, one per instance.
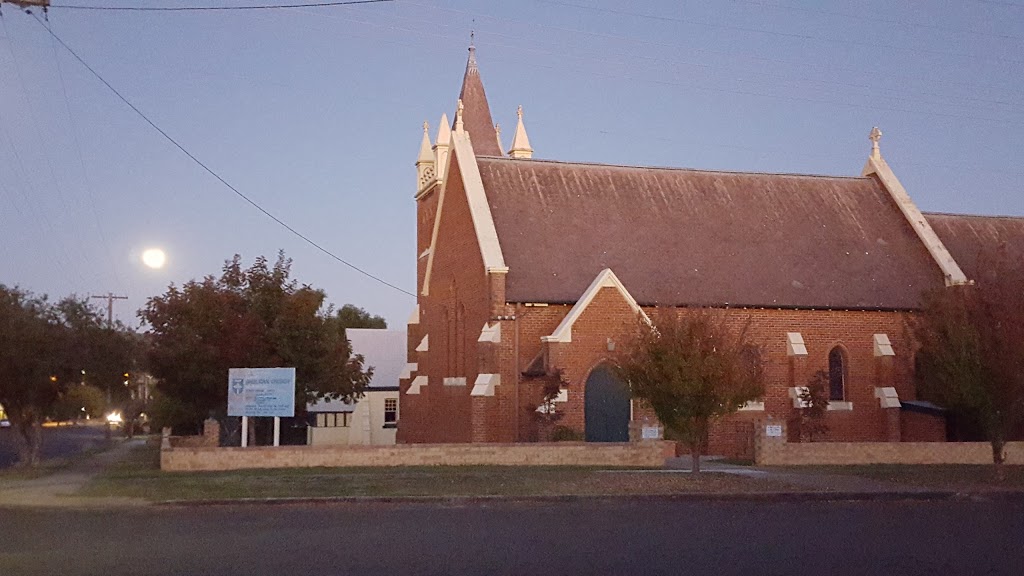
(247, 318)
(691, 367)
(78, 401)
(44, 349)
(354, 317)
(809, 421)
(971, 359)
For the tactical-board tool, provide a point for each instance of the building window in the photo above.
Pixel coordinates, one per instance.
(333, 419)
(836, 374)
(390, 410)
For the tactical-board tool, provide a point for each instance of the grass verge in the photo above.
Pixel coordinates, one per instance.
(961, 477)
(139, 476)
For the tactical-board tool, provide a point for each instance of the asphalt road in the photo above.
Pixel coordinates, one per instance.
(58, 442)
(593, 537)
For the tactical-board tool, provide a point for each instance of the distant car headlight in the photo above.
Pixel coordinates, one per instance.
(114, 418)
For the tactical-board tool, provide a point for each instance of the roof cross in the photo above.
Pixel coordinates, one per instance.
(875, 136)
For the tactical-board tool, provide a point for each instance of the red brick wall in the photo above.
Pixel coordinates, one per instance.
(462, 289)
(452, 315)
(821, 330)
(917, 427)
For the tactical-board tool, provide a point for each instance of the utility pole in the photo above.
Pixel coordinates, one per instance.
(110, 297)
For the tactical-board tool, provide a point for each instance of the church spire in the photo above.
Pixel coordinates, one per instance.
(520, 142)
(476, 113)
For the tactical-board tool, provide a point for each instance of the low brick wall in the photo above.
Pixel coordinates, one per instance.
(648, 454)
(841, 453)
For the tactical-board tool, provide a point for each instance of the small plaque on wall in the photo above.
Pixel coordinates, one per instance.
(773, 430)
(650, 433)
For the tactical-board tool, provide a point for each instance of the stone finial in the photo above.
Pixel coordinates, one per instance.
(520, 142)
(497, 134)
(875, 136)
(459, 126)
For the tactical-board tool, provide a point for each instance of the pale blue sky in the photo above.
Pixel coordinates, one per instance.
(316, 114)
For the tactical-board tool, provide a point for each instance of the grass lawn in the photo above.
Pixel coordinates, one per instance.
(51, 465)
(139, 476)
(944, 476)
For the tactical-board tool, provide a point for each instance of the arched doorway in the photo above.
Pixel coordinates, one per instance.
(606, 407)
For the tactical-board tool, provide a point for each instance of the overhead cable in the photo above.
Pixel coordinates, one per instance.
(209, 8)
(212, 172)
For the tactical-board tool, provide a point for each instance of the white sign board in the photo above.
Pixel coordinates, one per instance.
(649, 433)
(773, 430)
(261, 392)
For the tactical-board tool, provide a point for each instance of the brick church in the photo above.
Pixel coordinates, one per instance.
(529, 271)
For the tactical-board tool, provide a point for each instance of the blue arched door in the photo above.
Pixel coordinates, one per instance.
(606, 407)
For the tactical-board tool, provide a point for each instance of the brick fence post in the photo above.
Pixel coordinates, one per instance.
(769, 434)
(211, 432)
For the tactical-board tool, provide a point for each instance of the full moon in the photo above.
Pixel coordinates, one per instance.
(154, 258)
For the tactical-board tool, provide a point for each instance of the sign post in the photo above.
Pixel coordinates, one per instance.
(261, 392)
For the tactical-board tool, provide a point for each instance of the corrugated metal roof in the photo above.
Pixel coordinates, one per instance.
(385, 350)
(692, 237)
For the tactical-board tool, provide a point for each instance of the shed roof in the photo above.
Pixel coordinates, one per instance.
(384, 350)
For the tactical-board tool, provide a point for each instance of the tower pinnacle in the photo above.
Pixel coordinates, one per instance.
(520, 142)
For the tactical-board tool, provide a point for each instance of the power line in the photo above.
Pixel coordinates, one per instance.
(212, 172)
(825, 39)
(210, 8)
(81, 162)
(876, 19)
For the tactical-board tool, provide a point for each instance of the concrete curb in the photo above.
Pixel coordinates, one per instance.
(766, 497)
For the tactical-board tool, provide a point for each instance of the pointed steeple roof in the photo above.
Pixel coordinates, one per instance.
(476, 115)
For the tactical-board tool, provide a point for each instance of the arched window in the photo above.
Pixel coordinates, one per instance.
(836, 374)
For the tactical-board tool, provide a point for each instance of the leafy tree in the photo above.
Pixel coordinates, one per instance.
(809, 421)
(247, 318)
(46, 347)
(354, 317)
(971, 359)
(78, 401)
(690, 367)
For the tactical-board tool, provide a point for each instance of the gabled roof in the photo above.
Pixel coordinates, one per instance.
(691, 237)
(476, 114)
(967, 237)
(605, 279)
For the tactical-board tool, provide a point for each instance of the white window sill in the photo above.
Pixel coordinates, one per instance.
(459, 381)
(752, 407)
(840, 406)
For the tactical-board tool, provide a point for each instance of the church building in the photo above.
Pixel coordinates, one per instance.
(530, 271)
